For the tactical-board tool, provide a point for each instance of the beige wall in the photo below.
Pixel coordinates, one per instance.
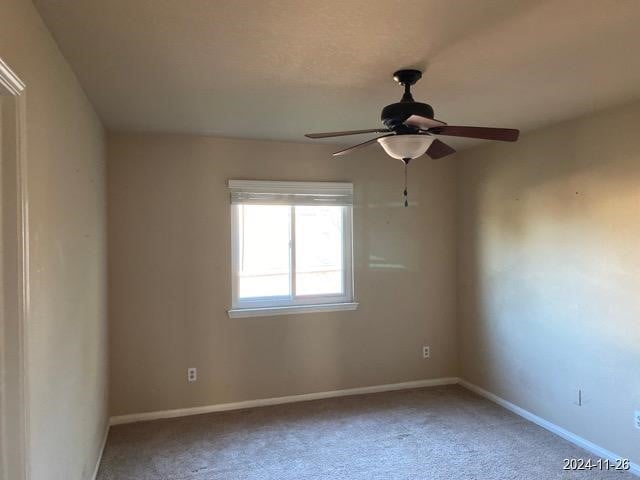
(549, 274)
(67, 326)
(169, 244)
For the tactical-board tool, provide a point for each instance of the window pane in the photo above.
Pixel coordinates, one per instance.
(264, 238)
(319, 269)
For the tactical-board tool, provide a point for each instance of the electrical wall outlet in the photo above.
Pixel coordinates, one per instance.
(426, 351)
(636, 419)
(192, 374)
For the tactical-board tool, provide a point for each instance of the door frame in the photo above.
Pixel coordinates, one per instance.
(14, 271)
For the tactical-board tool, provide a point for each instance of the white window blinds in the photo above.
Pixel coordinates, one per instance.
(254, 192)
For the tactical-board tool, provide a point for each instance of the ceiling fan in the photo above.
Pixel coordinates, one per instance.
(409, 129)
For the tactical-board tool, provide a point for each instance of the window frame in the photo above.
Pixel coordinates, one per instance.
(260, 306)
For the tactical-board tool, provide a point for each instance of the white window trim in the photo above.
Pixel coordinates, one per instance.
(294, 309)
(303, 304)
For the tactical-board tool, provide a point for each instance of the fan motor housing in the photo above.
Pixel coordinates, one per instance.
(393, 116)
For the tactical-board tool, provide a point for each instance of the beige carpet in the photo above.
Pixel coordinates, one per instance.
(430, 433)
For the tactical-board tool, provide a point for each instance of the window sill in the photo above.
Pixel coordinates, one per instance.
(289, 310)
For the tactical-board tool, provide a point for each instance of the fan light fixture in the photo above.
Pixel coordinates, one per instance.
(406, 147)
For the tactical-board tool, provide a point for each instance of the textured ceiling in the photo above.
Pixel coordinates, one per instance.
(277, 69)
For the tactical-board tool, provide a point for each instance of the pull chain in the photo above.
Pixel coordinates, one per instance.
(406, 197)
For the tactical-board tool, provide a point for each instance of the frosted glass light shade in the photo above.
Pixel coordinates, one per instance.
(406, 146)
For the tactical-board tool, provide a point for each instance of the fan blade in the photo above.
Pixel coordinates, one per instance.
(360, 145)
(502, 134)
(349, 132)
(423, 123)
(439, 149)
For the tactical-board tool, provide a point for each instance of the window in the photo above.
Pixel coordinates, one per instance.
(291, 247)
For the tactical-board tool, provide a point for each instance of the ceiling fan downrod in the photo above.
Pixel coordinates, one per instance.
(406, 78)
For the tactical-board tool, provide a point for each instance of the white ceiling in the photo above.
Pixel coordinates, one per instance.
(277, 69)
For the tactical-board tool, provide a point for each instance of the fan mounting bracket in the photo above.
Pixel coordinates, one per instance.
(407, 77)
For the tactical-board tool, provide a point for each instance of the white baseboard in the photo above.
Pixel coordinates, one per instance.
(262, 402)
(104, 444)
(553, 428)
